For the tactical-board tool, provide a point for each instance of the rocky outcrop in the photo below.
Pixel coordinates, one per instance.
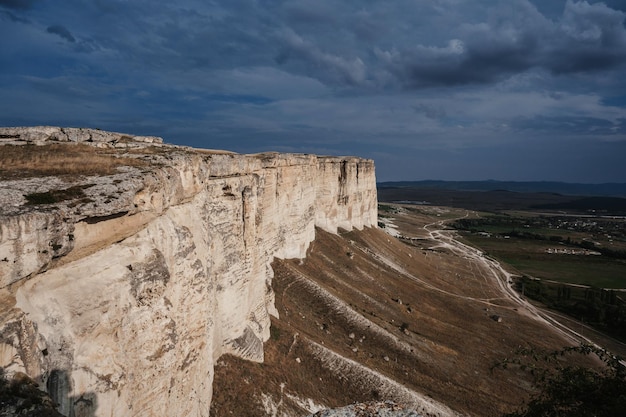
(40, 135)
(372, 409)
(119, 298)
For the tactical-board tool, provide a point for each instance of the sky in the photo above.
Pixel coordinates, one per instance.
(524, 90)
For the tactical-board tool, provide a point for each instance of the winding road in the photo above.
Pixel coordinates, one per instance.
(447, 239)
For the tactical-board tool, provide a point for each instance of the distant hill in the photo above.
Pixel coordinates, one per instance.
(605, 199)
(606, 189)
(599, 205)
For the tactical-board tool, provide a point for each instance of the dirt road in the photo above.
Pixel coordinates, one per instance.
(448, 239)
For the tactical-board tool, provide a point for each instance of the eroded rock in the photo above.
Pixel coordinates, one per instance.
(121, 294)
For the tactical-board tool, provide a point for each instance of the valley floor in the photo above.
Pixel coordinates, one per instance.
(420, 320)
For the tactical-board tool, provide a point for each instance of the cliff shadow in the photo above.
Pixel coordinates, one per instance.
(21, 395)
(58, 385)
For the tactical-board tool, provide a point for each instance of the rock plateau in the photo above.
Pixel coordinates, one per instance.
(119, 291)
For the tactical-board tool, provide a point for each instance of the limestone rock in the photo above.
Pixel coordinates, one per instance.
(41, 134)
(120, 301)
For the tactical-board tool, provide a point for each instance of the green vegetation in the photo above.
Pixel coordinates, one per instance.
(602, 309)
(274, 333)
(20, 396)
(386, 208)
(570, 264)
(571, 390)
(565, 249)
(55, 196)
(589, 270)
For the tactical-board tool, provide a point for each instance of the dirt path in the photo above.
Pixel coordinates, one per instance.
(447, 239)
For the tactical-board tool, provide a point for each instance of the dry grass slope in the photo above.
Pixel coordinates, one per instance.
(364, 308)
(60, 159)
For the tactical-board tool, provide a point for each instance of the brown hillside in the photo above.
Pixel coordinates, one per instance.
(367, 316)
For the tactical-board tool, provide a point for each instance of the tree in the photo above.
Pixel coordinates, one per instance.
(572, 390)
(20, 397)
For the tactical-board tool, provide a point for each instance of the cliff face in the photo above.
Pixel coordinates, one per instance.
(121, 292)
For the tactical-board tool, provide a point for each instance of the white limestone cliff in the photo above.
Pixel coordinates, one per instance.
(121, 302)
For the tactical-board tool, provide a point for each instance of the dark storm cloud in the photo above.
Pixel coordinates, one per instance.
(336, 69)
(572, 126)
(458, 63)
(62, 32)
(18, 4)
(184, 36)
(430, 81)
(306, 12)
(358, 45)
(586, 38)
(431, 112)
(13, 17)
(592, 38)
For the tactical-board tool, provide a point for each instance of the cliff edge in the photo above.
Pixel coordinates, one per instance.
(128, 266)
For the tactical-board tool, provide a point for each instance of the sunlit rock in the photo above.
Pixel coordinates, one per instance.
(120, 294)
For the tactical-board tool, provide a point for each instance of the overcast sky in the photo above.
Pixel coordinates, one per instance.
(430, 89)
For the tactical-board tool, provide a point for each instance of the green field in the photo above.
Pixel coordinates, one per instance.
(580, 283)
(593, 272)
(529, 257)
(523, 241)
